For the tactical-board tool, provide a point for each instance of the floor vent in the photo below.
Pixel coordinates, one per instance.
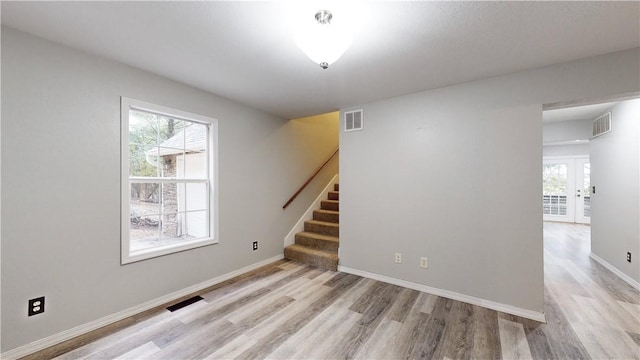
(602, 125)
(353, 120)
(184, 303)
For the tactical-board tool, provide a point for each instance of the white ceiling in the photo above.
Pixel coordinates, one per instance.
(245, 50)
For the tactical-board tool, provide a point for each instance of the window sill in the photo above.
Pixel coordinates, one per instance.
(165, 250)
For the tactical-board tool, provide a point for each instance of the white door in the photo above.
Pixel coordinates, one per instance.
(583, 191)
(566, 190)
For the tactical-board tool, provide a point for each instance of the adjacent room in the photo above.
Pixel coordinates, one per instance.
(320, 180)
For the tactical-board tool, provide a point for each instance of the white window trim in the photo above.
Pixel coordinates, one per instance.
(126, 105)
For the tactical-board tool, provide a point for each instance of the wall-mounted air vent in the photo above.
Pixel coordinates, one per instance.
(353, 120)
(602, 125)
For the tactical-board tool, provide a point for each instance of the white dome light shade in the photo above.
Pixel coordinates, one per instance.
(323, 43)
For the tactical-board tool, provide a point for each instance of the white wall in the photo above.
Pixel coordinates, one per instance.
(453, 174)
(615, 172)
(566, 131)
(61, 185)
(566, 150)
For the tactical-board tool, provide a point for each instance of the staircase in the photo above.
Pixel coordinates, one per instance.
(318, 244)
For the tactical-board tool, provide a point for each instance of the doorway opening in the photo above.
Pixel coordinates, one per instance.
(566, 189)
(566, 167)
(591, 178)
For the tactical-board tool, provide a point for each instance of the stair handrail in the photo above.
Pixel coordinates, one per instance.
(309, 180)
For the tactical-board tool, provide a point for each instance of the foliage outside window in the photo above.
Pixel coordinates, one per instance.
(554, 189)
(554, 179)
(168, 187)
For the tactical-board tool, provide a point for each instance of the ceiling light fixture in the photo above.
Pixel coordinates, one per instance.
(323, 42)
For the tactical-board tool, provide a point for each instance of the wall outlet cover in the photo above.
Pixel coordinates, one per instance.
(36, 306)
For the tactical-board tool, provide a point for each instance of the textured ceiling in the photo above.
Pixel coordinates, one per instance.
(245, 51)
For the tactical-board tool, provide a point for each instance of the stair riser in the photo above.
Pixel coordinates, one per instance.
(330, 264)
(326, 205)
(336, 187)
(334, 195)
(322, 229)
(321, 216)
(316, 243)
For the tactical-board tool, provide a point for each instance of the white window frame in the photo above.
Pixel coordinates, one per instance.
(127, 257)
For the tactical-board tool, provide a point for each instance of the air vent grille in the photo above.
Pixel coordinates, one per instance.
(602, 125)
(353, 120)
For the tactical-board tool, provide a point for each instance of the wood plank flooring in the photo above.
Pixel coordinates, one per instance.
(292, 311)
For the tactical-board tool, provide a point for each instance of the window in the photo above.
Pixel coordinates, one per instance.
(554, 189)
(169, 187)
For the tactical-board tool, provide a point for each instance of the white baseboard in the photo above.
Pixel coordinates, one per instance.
(110, 319)
(529, 314)
(308, 215)
(626, 278)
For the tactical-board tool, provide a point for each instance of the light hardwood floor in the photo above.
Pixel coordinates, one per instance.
(292, 311)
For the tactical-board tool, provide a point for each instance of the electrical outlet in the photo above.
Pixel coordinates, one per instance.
(36, 306)
(628, 256)
(424, 263)
(398, 258)
(255, 245)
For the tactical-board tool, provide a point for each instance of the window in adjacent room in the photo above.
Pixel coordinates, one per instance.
(168, 181)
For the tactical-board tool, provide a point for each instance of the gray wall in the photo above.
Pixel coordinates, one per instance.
(61, 186)
(615, 172)
(453, 174)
